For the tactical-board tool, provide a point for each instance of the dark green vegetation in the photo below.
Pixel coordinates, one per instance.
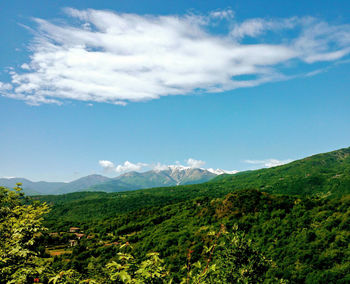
(290, 222)
(305, 238)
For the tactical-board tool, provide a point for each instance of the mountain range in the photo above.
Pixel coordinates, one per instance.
(171, 176)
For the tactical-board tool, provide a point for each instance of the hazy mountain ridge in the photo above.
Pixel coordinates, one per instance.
(82, 183)
(44, 187)
(32, 187)
(173, 175)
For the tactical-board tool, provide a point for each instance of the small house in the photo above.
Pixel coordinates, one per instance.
(74, 229)
(79, 236)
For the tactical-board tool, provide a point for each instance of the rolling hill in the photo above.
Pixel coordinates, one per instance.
(322, 173)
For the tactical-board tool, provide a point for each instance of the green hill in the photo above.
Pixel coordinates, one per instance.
(322, 173)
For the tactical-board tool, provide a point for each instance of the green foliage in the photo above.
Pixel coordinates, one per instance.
(20, 226)
(305, 238)
(68, 276)
(128, 270)
(238, 261)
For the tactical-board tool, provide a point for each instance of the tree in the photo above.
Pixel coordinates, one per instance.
(237, 260)
(20, 226)
(129, 270)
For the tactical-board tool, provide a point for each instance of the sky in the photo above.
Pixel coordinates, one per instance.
(105, 87)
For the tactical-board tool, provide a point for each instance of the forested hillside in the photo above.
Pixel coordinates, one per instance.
(306, 239)
(322, 173)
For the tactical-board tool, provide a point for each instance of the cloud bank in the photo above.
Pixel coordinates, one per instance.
(111, 57)
(109, 166)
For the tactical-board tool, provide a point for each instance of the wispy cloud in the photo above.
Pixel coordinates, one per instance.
(222, 14)
(104, 56)
(268, 163)
(258, 26)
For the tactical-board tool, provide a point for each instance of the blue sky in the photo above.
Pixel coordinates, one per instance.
(233, 84)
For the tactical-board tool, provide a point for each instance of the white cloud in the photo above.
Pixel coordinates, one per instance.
(104, 56)
(258, 26)
(107, 166)
(192, 163)
(320, 41)
(128, 166)
(5, 86)
(222, 14)
(25, 66)
(159, 167)
(268, 163)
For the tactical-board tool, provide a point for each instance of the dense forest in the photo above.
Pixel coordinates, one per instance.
(288, 224)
